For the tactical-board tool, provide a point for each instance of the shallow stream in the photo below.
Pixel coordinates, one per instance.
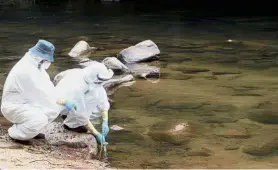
(218, 76)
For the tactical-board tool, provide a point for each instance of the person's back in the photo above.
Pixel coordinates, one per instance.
(83, 87)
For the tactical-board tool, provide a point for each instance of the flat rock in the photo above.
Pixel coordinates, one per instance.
(261, 146)
(187, 69)
(217, 73)
(174, 75)
(57, 135)
(143, 51)
(234, 133)
(264, 115)
(231, 147)
(199, 152)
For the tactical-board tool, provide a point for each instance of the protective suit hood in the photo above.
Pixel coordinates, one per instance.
(96, 73)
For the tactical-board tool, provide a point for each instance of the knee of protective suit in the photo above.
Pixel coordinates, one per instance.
(30, 128)
(40, 122)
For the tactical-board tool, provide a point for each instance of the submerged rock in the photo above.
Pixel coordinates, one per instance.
(261, 146)
(144, 70)
(234, 133)
(219, 119)
(267, 116)
(187, 69)
(199, 152)
(173, 132)
(81, 49)
(174, 75)
(143, 51)
(233, 144)
(125, 136)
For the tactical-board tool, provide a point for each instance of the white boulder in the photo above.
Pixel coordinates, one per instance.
(81, 49)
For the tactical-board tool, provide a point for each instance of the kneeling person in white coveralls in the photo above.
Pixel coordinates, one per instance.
(28, 99)
(83, 89)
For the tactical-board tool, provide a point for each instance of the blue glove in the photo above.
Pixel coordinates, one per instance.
(101, 139)
(69, 106)
(105, 128)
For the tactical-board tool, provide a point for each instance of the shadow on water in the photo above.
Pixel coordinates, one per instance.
(217, 76)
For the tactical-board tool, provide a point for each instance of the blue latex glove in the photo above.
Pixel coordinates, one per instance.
(101, 139)
(104, 127)
(69, 106)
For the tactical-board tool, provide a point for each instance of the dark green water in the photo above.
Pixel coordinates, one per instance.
(225, 91)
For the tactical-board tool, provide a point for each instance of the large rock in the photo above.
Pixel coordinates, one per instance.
(58, 140)
(81, 49)
(114, 64)
(57, 135)
(143, 51)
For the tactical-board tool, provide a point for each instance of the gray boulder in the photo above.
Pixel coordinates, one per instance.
(57, 135)
(143, 51)
(81, 49)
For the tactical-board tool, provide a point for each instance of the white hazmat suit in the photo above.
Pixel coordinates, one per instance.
(28, 99)
(83, 87)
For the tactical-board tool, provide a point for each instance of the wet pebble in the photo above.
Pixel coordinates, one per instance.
(116, 128)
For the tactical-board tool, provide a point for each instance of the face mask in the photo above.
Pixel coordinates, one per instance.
(45, 65)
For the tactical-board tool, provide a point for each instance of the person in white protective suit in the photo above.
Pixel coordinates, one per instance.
(28, 99)
(83, 87)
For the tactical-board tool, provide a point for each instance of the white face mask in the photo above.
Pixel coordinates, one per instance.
(45, 65)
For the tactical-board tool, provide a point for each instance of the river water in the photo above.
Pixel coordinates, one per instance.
(218, 76)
